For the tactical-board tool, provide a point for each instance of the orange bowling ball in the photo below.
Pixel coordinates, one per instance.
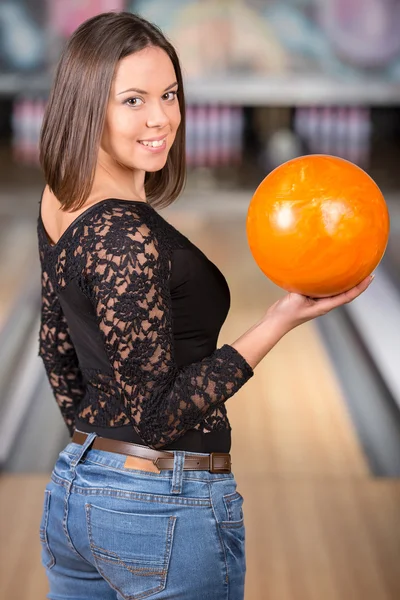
(317, 225)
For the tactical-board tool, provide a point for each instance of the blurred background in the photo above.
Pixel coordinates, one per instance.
(316, 433)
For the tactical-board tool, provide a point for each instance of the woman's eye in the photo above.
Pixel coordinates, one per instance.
(170, 95)
(134, 102)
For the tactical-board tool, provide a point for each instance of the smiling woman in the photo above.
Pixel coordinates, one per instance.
(143, 502)
(131, 312)
(115, 90)
(140, 129)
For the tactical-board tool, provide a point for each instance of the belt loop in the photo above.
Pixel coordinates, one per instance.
(177, 476)
(85, 446)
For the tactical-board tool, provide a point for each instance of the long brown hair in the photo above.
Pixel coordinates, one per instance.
(75, 115)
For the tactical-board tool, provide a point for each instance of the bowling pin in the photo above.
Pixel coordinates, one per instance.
(190, 136)
(200, 127)
(213, 152)
(353, 133)
(365, 136)
(326, 116)
(237, 142)
(313, 130)
(341, 132)
(226, 136)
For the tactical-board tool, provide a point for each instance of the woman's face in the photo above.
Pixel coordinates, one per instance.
(143, 113)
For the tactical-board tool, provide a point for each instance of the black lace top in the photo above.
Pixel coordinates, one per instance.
(131, 312)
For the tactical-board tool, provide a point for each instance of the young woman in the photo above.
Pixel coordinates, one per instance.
(142, 503)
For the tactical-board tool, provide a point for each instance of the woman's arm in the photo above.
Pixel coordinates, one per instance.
(289, 312)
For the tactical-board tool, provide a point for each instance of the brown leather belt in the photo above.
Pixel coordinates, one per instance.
(216, 462)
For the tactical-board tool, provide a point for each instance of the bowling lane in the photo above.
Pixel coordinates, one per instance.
(316, 517)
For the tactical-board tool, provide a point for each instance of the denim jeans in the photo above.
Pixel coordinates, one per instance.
(112, 533)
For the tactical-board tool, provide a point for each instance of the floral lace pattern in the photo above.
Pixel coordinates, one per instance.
(120, 255)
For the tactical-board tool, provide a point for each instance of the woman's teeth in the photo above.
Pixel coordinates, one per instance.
(157, 144)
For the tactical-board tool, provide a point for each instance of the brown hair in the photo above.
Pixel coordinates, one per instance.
(74, 119)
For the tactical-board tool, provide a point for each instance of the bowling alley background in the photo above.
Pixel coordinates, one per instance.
(316, 432)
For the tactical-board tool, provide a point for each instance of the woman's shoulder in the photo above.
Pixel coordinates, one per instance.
(93, 220)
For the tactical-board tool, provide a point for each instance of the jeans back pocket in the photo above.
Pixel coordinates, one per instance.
(233, 538)
(48, 559)
(234, 510)
(131, 551)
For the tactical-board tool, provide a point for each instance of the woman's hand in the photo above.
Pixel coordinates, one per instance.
(294, 309)
(285, 315)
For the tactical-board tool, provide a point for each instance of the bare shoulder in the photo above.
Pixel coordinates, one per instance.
(54, 219)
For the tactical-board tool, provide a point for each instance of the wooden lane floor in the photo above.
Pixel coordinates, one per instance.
(319, 526)
(21, 501)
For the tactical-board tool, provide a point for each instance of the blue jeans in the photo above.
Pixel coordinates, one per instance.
(112, 533)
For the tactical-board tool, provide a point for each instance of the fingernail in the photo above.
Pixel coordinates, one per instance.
(371, 278)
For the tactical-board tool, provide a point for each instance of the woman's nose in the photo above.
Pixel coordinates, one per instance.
(157, 116)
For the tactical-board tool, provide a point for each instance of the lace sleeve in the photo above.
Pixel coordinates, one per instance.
(128, 281)
(58, 355)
